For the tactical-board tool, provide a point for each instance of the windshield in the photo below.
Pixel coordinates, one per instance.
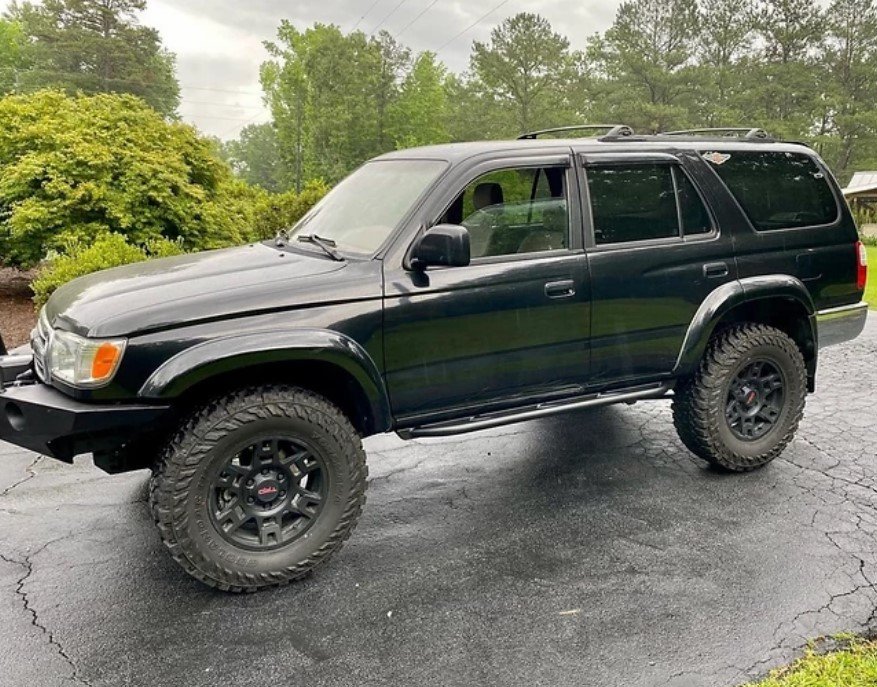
(361, 212)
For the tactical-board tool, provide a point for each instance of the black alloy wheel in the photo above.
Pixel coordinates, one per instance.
(268, 494)
(259, 487)
(755, 399)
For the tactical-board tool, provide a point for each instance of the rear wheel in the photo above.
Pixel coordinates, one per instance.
(743, 405)
(259, 487)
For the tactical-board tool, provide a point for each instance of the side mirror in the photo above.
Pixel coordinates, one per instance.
(445, 245)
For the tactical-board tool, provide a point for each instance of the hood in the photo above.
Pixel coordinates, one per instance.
(171, 292)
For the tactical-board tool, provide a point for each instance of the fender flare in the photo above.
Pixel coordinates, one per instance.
(231, 353)
(724, 298)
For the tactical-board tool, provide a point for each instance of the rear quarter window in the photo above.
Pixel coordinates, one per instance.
(777, 190)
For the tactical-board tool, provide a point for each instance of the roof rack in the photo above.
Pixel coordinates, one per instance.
(616, 131)
(724, 131)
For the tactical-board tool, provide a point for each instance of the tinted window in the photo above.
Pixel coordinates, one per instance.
(514, 211)
(776, 190)
(695, 218)
(633, 203)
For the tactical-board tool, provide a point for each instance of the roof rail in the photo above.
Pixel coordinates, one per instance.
(615, 131)
(741, 132)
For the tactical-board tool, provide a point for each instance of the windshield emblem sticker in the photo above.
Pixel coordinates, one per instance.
(716, 158)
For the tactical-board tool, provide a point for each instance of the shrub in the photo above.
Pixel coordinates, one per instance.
(73, 168)
(79, 259)
(276, 211)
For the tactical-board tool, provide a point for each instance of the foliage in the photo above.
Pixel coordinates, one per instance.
(78, 259)
(329, 95)
(526, 67)
(84, 166)
(855, 666)
(418, 116)
(94, 46)
(276, 211)
(800, 69)
(871, 287)
(12, 46)
(256, 157)
(643, 64)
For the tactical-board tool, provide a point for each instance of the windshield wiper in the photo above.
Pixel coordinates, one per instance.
(328, 245)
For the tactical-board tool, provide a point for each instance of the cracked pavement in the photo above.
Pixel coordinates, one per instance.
(583, 549)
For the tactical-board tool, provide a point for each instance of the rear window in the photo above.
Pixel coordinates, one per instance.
(776, 190)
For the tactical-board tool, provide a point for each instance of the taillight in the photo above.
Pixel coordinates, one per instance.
(862, 271)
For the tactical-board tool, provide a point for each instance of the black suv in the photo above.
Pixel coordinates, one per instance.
(437, 291)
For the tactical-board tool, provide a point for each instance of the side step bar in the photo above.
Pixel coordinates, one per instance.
(507, 417)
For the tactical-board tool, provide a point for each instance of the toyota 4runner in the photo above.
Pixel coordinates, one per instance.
(437, 291)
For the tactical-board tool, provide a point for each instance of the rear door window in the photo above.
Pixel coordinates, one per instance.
(777, 190)
(644, 202)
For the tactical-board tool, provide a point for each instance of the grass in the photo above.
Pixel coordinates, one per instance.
(854, 665)
(871, 287)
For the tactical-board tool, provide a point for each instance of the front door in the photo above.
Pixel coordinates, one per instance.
(512, 325)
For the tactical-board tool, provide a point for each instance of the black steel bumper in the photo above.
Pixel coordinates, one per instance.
(37, 417)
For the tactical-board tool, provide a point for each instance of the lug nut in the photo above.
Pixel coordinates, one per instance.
(250, 500)
(265, 471)
(250, 483)
(282, 494)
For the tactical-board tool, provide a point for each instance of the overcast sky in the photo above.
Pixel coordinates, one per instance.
(218, 43)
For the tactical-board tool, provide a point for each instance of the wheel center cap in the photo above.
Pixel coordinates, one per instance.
(750, 397)
(266, 489)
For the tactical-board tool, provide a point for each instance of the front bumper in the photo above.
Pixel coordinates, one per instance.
(38, 417)
(837, 325)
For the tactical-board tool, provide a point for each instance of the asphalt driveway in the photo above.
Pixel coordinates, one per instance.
(582, 550)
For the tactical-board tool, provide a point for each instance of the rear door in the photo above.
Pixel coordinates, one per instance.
(655, 253)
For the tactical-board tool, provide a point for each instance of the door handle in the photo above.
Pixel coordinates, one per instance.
(714, 270)
(560, 289)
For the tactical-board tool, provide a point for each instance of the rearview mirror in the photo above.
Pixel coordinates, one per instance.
(445, 245)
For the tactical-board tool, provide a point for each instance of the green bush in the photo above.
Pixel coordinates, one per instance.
(74, 168)
(79, 259)
(276, 211)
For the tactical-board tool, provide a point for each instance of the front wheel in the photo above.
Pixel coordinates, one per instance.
(743, 405)
(259, 487)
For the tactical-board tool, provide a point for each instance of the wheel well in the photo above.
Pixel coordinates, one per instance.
(786, 314)
(329, 381)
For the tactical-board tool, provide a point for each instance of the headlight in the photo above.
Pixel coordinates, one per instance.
(83, 362)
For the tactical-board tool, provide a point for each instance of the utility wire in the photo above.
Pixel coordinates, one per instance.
(240, 127)
(367, 12)
(471, 26)
(419, 15)
(392, 12)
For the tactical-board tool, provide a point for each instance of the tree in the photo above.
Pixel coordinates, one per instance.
(256, 158)
(784, 88)
(525, 65)
(95, 46)
(12, 46)
(849, 127)
(321, 88)
(419, 114)
(393, 61)
(645, 63)
(75, 168)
